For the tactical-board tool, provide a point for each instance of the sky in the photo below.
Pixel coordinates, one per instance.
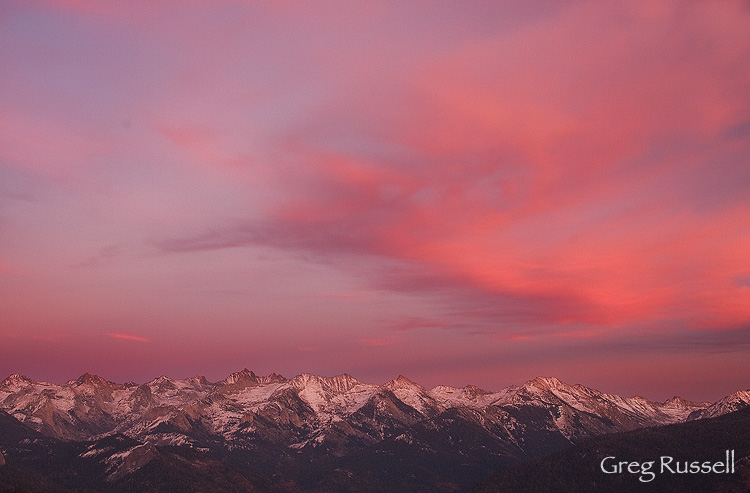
(474, 192)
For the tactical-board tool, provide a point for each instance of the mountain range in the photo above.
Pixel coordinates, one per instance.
(308, 433)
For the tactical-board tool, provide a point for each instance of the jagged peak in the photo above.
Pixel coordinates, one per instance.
(272, 378)
(199, 380)
(733, 402)
(339, 383)
(342, 382)
(88, 379)
(678, 401)
(402, 382)
(244, 375)
(16, 379)
(161, 379)
(241, 380)
(546, 383)
(162, 383)
(639, 398)
(741, 396)
(445, 388)
(474, 390)
(304, 379)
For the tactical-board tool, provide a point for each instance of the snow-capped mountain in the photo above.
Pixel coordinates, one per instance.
(311, 407)
(279, 422)
(734, 402)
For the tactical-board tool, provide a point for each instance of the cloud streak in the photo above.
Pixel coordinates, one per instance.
(127, 337)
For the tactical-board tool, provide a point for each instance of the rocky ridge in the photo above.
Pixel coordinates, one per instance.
(331, 423)
(174, 411)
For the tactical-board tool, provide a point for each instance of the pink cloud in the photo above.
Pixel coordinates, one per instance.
(580, 146)
(553, 178)
(127, 337)
(538, 167)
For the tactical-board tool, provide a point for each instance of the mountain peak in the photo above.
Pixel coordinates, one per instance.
(547, 380)
(733, 402)
(88, 379)
(337, 384)
(679, 402)
(401, 382)
(546, 383)
(343, 382)
(473, 391)
(272, 378)
(238, 381)
(244, 375)
(199, 380)
(15, 380)
(160, 380)
(162, 383)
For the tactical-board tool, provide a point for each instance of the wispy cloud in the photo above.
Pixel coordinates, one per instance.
(127, 337)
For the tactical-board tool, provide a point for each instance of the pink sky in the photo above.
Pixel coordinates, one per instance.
(474, 192)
